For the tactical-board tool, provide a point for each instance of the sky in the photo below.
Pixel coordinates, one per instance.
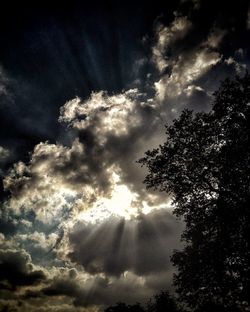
(85, 89)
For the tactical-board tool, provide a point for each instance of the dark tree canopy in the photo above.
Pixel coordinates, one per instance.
(123, 307)
(204, 165)
(162, 302)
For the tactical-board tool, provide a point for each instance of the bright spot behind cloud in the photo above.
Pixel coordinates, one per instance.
(122, 202)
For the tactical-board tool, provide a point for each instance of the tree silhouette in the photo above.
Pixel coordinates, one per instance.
(123, 307)
(162, 302)
(204, 165)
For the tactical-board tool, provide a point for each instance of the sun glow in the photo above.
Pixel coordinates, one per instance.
(122, 202)
(119, 203)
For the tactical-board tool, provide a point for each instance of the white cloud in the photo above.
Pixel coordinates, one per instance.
(40, 186)
(215, 38)
(185, 71)
(185, 66)
(38, 239)
(191, 89)
(115, 114)
(166, 36)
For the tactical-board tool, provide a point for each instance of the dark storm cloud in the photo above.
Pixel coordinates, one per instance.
(99, 291)
(142, 246)
(90, 291)
(16, 269)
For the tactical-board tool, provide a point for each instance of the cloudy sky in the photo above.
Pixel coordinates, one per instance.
(85, 90)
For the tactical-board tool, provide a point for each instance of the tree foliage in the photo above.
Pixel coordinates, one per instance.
(162, 302)
(123, 307)
(204, 165)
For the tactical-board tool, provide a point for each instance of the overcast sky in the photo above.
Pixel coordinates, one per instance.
(85, 90)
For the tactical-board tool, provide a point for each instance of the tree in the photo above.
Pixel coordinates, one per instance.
(123, 307)
(204, 165)
(162, 302)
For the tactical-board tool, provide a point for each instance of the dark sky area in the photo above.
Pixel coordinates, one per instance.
(85, 89)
